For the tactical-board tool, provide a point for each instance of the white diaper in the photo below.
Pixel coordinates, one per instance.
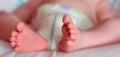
(51, 22)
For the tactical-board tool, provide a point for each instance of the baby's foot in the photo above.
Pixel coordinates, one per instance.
(71, 36)
(23, 39)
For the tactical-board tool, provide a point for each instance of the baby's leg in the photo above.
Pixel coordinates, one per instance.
(27, 11)
(22, 37)
(23, 13)
(73, 39)
(7, 24)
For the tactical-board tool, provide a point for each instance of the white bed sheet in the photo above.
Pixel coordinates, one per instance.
(7, 51)
(105, 51)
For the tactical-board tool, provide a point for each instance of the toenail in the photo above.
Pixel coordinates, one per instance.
(20, 26)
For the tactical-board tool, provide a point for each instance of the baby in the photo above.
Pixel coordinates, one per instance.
(22, 30)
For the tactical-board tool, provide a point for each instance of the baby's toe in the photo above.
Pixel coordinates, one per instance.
(66, 19)
(12, 39)
(14, 34)
(71, 25)
(20, 27)
(73, 37)
(17, 49)
(13, 44)
(72, 31)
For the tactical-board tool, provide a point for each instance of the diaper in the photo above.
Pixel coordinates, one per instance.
(50, 23)
(10, 5)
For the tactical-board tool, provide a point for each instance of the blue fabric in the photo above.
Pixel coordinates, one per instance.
(21, 2)
(117, 1)
(65, 9)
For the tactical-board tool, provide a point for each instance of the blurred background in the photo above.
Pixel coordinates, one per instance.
(11, 5)
(115, 6)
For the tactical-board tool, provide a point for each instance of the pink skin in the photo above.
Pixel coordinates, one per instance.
(22, 37)
(70, 35)
(27, 12)
(105, 32)
(74, 39)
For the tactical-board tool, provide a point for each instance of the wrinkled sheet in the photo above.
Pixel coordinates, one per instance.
(104, 51)
(7, 51)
